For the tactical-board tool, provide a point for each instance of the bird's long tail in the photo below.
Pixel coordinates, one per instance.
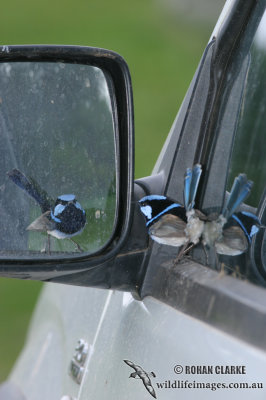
(191, 184)
(239, 192)
(32, 188)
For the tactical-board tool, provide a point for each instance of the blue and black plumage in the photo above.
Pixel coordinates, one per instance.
(237, 233)
(32, 188)
(170, 223)
(239, 192)
(165, 219)
(232, 231)
(249, 223)
(191, 183)
(63, 218)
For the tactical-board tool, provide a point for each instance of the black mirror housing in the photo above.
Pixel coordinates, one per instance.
(96, 268)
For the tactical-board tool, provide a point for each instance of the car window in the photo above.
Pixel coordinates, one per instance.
(249, 149)
(248, 154)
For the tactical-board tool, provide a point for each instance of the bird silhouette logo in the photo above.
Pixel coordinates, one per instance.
(143, 375)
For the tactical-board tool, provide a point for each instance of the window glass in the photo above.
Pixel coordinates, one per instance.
(250, 144)
(249, 153)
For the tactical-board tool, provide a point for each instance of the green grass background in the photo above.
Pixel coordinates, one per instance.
(162, 49)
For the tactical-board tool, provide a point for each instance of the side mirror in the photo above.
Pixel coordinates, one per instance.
(66, 165)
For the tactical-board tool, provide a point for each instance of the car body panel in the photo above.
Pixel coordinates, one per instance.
(149, 333)
(63, 316)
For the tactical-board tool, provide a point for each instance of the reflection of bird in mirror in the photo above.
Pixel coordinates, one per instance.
(143, 375)
(232, 231)
(172, 224)
(63, 218)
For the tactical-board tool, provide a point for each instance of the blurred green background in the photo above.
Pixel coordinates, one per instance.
(161, 40)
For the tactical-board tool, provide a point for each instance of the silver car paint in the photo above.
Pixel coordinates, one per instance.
(117, 327)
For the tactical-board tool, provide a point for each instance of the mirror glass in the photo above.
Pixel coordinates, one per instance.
(58, 184)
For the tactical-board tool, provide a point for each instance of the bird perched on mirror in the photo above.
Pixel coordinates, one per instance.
(63, 218)
(170, 223)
